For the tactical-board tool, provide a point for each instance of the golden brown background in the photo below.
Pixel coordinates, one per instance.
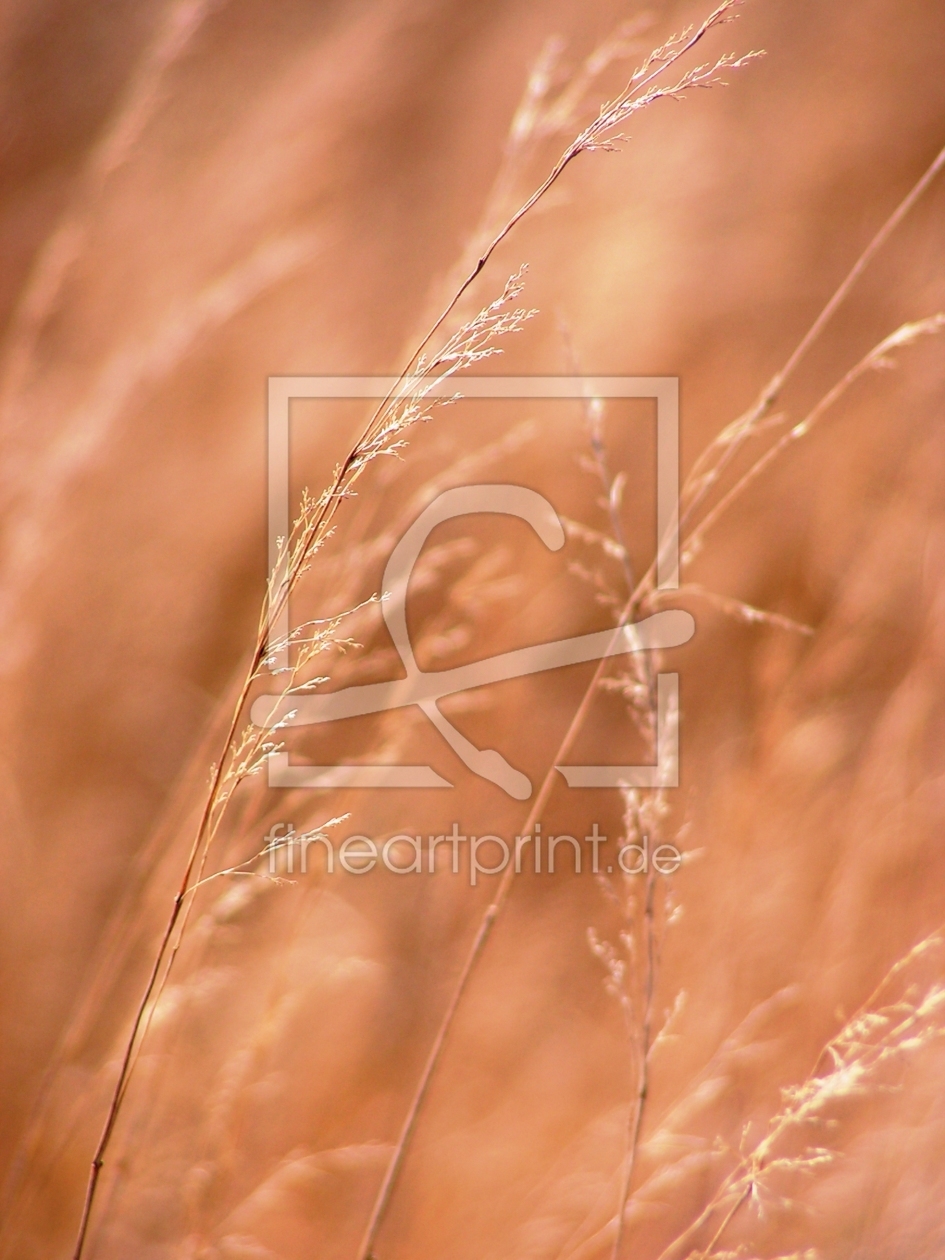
(197, 195)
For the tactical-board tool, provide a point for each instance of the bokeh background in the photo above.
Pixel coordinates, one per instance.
(199, 194)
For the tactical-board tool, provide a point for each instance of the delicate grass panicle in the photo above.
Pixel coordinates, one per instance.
(719, 1186)
(246, 751)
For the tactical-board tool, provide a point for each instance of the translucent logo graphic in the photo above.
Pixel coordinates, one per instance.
(425, 689)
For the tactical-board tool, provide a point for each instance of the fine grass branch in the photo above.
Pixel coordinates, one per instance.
(715, 459)
(602, 134)
(245, 751)
(876, 1036)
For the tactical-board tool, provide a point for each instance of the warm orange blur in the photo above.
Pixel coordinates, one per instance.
(198, 194)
